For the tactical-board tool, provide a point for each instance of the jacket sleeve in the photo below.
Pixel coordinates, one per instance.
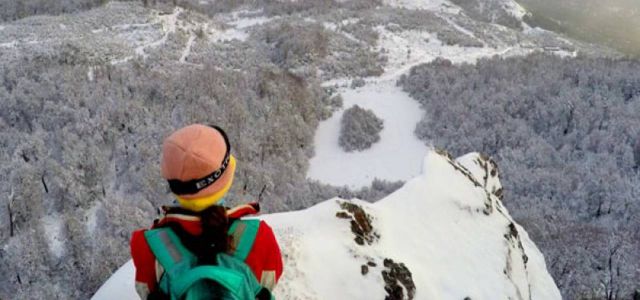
(265, 258)
(145, 264)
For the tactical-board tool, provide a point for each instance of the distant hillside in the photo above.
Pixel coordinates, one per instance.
(615, 23)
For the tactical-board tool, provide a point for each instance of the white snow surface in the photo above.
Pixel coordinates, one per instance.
(435, 224)
(121, 285)
(395, 157)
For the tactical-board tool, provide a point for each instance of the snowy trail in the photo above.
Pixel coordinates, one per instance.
(457, 26)
(187, 48)
(169, 25)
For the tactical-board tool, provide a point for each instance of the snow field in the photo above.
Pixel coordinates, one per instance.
(394, 157)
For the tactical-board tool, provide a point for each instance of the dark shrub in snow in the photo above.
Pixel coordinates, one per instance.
(360, 129)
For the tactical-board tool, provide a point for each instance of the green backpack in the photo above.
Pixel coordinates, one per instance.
(185, 279)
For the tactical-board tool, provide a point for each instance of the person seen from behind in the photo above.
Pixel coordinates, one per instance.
(200, 249)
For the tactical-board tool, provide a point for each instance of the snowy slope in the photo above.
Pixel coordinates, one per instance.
(446, 227)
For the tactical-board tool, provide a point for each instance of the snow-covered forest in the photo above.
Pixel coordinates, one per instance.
(89, 88)
(566, 133)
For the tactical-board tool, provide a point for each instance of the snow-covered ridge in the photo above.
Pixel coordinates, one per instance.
(444, 235)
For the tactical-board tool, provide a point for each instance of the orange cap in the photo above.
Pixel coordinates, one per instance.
(192, 153)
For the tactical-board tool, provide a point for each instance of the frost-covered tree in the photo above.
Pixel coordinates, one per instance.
(297, 44)
(359, 129)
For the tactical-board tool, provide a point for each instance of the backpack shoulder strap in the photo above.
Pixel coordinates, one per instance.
(168, 249)
(174, 257)
(243, 234)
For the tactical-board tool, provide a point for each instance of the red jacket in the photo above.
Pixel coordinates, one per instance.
(264, 258)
